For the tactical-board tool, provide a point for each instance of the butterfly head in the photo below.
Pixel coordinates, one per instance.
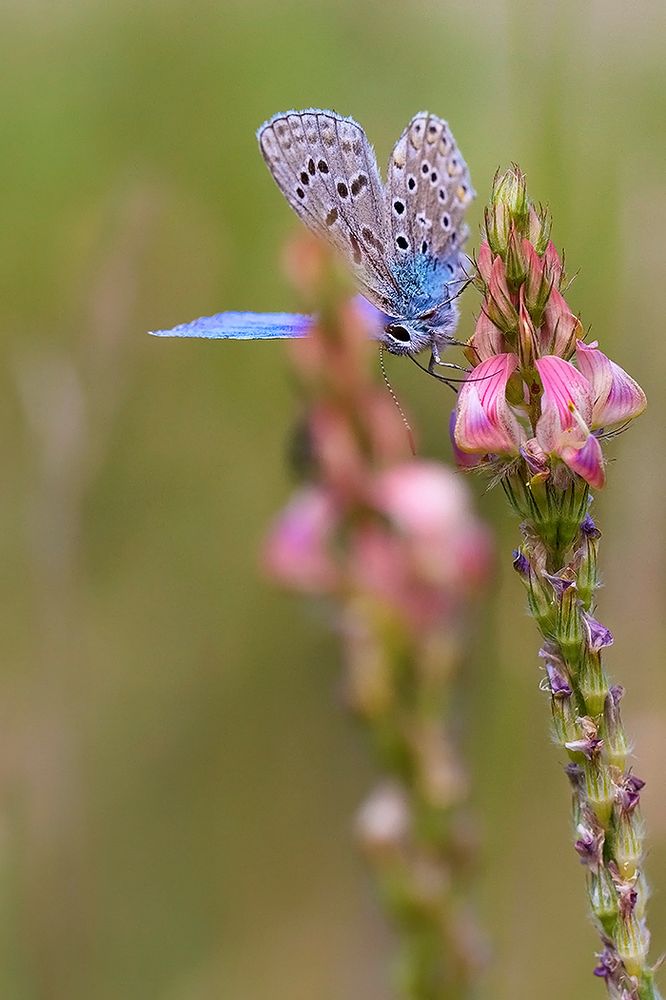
(431, 329)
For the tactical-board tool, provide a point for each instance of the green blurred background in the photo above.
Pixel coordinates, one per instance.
(178, 774)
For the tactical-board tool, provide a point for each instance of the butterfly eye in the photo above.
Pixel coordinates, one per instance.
(399, 333)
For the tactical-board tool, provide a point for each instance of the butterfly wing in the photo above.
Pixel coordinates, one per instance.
(242, 326)
(327, 171)
(428, 190)
(266, 326)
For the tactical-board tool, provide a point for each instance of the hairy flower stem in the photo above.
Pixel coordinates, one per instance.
(557, 561)
(537, 421)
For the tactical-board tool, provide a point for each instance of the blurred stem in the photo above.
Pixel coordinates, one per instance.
(422, 862)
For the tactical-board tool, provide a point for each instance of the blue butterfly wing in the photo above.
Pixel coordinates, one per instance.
(242, 326)
(265, 326)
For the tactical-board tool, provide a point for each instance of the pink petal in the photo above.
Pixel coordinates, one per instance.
(566, 405)
(499, 305)
(617, 397)
(553, 264)
(487, 340)
(463, 459)
(484, 261)
(297, 550)
(534, 271)
(527, 335)
(422, 498)
(485, 422)
(587, 462)
(560, 326)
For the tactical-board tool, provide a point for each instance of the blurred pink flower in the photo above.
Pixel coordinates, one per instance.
(297, 550)
(429, 506)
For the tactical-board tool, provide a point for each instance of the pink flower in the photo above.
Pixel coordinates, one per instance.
(485, 422)
(427, 551)
(587, 462)
(566, 414)
(617, 397)
(429, 506)
(297, 548)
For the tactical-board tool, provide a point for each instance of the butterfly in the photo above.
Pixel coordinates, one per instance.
(402, 239)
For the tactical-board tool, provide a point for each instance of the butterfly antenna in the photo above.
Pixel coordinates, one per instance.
(410, 433)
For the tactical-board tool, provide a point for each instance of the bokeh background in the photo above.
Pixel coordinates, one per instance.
(178, 774)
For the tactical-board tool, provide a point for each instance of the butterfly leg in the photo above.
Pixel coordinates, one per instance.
(435, 359)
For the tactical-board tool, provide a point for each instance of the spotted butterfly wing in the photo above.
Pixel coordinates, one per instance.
(428, 190)
(327, 171)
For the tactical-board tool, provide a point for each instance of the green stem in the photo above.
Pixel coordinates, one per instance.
(558, 563)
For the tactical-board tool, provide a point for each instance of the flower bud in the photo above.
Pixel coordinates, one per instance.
(510, 193)
(516, 261)
(497, 226)
(528, 340)
(569, 627)
(616, 740)
(538, 283)
(486, 341)
(565, 725)
(539, 226)
(627, 844)
(632, 941)
(599, 790)
(560, 327)
(484, 262)
(587, 578)
(541, 604)
(593, 683)
(603, 899)
(499, 305)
